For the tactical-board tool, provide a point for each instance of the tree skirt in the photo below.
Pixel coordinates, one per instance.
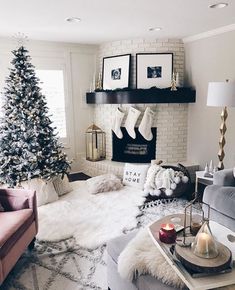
(67, 265)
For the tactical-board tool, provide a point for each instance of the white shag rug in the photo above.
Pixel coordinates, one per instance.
(91, 219)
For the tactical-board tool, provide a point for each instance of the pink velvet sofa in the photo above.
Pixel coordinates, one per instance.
(18, 226)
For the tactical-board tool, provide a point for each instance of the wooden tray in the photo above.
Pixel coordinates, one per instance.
(200, 265)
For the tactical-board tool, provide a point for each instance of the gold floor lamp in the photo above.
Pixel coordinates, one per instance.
(221, 94)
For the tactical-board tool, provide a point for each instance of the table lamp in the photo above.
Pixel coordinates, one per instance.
(221, 94)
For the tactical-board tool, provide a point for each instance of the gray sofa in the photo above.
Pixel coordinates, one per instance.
(221, 198)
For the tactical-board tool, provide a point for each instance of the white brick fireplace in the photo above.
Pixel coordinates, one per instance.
(170, 119)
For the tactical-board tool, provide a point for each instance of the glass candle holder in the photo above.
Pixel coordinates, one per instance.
(167, 234)
(205, 246)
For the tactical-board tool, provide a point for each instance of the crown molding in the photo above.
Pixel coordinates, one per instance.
(209, 33)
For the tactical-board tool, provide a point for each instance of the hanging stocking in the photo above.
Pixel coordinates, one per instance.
(146, 124)
(117, 121)
(131, 120)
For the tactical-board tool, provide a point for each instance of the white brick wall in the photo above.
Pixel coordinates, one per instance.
(134, 46)
(170, 119)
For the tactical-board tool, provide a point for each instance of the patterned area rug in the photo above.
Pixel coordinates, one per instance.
(67, 266)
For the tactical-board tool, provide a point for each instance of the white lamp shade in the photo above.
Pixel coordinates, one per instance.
(221, 94)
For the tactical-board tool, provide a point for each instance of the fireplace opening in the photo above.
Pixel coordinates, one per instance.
(137, 150)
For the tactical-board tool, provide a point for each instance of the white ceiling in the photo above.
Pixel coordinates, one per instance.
(108, 20)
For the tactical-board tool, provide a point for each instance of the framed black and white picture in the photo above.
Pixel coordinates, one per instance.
(154, 70)
(116, 72)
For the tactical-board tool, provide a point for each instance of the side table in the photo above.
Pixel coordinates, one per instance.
(200, 178)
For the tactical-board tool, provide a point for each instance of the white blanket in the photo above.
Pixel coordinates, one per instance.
(91, 219)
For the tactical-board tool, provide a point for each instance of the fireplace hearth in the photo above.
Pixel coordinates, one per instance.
(137, 150)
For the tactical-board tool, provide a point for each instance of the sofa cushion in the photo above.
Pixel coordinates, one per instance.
(13, 224)
(221, 199)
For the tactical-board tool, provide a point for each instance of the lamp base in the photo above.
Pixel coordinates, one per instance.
(222, 142)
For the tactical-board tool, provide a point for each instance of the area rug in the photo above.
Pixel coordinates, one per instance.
(65, 265)
(91, 219)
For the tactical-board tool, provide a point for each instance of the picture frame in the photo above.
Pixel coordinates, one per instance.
(154, 70)
(116, 72)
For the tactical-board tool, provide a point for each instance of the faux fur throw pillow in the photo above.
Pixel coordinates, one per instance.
(104, 183)
(141, 256)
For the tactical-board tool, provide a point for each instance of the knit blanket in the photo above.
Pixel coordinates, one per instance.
(163, 178)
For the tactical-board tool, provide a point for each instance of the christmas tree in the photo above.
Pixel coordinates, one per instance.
(29, 146)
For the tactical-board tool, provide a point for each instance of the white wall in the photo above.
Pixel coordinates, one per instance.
(210, 59)
(79, 62)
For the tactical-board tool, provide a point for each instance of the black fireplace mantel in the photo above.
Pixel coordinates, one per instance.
(142, 96)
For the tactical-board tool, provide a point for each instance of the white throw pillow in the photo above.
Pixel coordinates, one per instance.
(104, 183)
(62, 186)
(135, 175)
(45, 191)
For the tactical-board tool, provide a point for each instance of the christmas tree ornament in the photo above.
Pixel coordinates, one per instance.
(132, 117)
(117, 121)
(146, 124)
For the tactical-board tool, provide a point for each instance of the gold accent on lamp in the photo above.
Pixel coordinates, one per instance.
(221, 94)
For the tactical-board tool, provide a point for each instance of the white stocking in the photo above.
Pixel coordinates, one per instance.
(117, 121)
(146, 124)
(131, 120)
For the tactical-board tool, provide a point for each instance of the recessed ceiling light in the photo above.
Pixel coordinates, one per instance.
(155, 28)
(73, 19)
(218, 5)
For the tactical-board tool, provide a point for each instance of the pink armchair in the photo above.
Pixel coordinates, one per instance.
(18, 226)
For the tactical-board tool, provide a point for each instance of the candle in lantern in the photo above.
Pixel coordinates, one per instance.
(195, 227)
(96, 154)
(167, 233)
(90, 150)
(203, 244)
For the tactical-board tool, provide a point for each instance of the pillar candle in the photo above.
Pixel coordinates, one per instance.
(203, 243)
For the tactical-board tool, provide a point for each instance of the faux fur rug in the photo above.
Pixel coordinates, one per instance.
(137, 259)
(91, 219)
(66, 265)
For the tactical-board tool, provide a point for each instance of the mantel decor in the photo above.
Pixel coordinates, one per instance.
(154, 69)
(142, 96)
(116, 72)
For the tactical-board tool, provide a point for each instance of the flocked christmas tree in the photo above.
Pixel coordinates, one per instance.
(29, 146)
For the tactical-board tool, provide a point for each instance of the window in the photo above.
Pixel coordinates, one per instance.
(52, 85)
